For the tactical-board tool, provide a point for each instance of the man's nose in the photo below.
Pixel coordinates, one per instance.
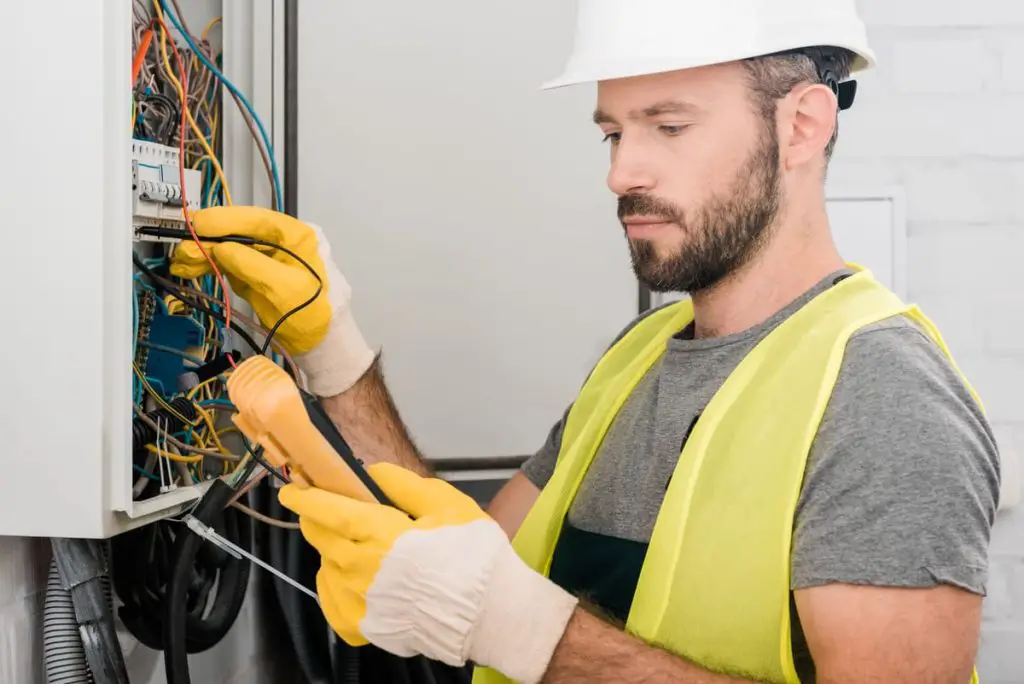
(630, 171)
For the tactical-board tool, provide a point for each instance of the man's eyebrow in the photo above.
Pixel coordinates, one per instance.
(670, 107)
(657, 109)
(601, 117)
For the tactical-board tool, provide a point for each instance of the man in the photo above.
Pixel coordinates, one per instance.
(783, 479)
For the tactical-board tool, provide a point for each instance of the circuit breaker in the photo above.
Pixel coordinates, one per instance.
(158, 196)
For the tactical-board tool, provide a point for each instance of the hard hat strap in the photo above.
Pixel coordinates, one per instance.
(824, 63)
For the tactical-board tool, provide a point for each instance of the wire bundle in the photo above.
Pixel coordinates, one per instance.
(176, 100)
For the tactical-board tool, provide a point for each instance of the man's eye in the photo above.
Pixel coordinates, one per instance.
(613, 138)
(671, 130)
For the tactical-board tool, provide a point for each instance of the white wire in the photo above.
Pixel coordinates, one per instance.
(160, 459)
(210, 535)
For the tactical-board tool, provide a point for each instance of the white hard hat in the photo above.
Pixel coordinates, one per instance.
(621, 38)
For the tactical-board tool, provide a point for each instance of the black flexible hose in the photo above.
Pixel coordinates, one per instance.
(186, 548)
(144, 560)
(207, 630)
(143, 433)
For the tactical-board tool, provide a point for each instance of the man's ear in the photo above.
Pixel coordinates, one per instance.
(808, 124)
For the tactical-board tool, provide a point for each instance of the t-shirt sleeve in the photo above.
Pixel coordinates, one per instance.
(902, 482)
(539, 467)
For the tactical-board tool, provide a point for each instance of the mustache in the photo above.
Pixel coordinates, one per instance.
(648, 205)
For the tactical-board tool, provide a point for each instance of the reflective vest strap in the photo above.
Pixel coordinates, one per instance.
(715, 584)
(604, 393)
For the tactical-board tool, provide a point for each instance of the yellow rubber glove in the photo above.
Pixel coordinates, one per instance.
(444, 583)
(327, 343)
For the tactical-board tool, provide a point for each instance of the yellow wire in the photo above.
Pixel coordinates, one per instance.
(215, 434)
(156, 396)
(183, 98)
(200, 160)
(174, 305)
(173, 457)
(195, 390)
(208, 419)
(210, 194)
(206, 31)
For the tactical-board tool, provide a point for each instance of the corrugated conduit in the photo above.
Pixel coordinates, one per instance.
(63, 653)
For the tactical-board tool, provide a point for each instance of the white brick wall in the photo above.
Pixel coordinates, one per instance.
(942, 13)
(943, 116)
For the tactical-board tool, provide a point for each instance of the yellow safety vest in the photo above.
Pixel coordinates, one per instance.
(715, 584)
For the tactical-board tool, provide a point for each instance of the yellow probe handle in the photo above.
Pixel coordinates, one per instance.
(271, 413)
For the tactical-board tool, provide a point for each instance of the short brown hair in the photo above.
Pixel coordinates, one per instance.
(772, 77)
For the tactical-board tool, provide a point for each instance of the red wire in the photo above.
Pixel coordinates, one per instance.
(140, 55)
(181, 169)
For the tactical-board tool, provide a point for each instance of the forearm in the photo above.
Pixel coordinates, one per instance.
(367, 417)
(593, 651)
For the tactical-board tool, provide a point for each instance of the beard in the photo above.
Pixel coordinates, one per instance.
(723, 235)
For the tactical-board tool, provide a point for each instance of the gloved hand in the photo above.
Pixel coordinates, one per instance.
(444, 583)
(324, 338)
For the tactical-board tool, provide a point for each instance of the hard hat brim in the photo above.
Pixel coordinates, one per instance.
(593, 73)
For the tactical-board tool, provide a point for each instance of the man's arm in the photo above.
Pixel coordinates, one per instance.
(856, 634)
(369, 420)
(592, 651)
(893, 635)
(367, 417)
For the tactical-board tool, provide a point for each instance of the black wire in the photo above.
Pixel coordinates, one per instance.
(183, 234)
(257, 456)
(180, 293)
(166, 130)
(296, 309)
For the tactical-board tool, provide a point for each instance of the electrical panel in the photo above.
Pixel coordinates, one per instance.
(184, 345)
(116, 376)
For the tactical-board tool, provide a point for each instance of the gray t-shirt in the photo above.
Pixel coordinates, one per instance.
(902, 481)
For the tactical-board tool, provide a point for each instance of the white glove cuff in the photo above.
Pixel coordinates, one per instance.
(523, 618)
(337, 363)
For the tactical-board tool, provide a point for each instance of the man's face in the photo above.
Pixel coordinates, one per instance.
(696, 170)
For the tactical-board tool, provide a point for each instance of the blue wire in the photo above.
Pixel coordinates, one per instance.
(135, 322)
(217, 402)
(231, 86)
(142, 471)
(136, 385)
(172, 351)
